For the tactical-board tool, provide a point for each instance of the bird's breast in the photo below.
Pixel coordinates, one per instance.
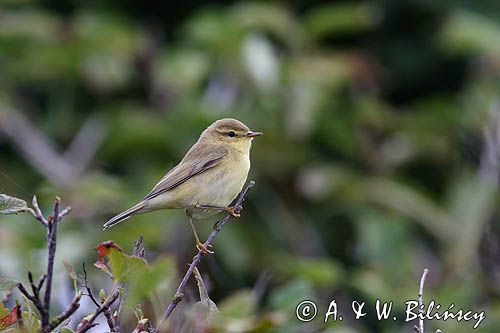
(220, 185)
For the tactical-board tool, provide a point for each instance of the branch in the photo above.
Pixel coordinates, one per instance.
(36, 301)
(421, 301)
(90, 294)
(113, 327)
(75, 304)
(43, 308)
(51, 248)
(216, 229)
(87, 324)
(38, 213)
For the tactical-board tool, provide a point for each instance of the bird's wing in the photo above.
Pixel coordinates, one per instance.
(194, 163)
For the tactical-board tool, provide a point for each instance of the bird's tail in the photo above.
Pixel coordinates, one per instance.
(124, 215)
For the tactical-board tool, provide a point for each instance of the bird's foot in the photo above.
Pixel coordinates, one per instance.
(203, 249)
(233, 211)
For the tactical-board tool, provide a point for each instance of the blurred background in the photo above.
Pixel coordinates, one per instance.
(380, 155)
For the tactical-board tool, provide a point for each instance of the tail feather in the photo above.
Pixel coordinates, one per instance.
(123, 216)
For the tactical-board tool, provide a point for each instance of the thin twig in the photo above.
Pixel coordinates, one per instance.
(138, 248)
(75, 304)
(113, 327)
(64, 212)
(38, 213)
(41, 281)
(51, 249)
(216, 229)
(50, 224)
(421, 301)
(36, 301)
(89, 323)
(90, 294)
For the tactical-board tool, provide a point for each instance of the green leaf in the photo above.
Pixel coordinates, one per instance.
(289, 295)
(124, 266)
(3, 311)
(320, 272)
(241, 304)
(341, 18)
(144, 282)
(11, 205)
(31, 321)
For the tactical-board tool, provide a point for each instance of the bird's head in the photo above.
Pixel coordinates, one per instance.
(230, 132)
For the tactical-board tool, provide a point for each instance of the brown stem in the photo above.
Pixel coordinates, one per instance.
(51, 248)
(43, 308)
(113, 325)
(36, 301)
(75, 304)
(87, 324)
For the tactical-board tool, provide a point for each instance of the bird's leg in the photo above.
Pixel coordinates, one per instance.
(231, 210)
(199, 245)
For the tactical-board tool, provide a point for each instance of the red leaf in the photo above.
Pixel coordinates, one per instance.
(103, 249)
(11, 318)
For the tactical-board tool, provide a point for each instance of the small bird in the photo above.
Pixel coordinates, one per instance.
(206, 181)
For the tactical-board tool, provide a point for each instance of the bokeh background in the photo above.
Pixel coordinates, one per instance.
(380, 155)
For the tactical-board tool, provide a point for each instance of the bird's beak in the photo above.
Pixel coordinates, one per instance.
(251, 134)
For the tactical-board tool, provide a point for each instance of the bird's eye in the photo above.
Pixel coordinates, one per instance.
(231, 134)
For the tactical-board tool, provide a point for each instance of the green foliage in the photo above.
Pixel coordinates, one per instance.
(124, 266)
(11, 205)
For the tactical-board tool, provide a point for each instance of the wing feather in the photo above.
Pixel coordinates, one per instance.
(195, 162)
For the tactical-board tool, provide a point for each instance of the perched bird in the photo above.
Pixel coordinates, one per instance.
(207, 179)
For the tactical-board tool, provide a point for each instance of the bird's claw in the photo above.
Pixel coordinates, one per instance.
(203, 249)
(234, 211)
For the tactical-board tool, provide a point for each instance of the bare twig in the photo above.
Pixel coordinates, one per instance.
(43, 307)
(75, 304)
(139, 250)
(90, 294)
(36, 301)
(64, 212)
(87, 324)
(51, 249)
(421, 301)
(113, 325)
(38, 213)
(216, 229)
